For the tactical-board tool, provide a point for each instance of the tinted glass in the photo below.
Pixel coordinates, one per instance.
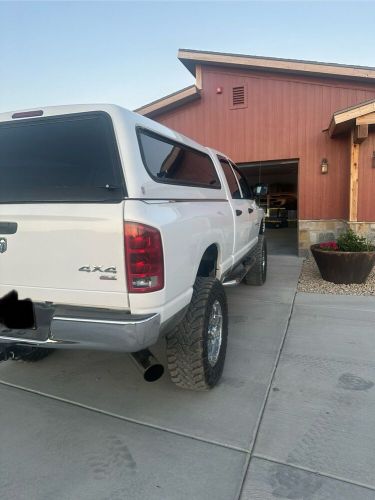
(175, 163)
(231, 180)
(59, 159)
(246, 191)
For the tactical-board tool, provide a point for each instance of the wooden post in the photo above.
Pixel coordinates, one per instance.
(198, 76)
(353, 195)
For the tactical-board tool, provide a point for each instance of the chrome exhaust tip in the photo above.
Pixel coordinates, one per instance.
(148, 365)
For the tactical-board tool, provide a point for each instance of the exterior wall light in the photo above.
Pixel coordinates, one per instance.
(324, 166)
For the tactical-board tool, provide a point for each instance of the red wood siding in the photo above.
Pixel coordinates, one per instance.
(284, 118)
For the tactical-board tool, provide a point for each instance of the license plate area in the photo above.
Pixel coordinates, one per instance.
(17, 314)
(43, 313)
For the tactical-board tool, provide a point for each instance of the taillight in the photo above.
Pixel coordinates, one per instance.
(144, 258)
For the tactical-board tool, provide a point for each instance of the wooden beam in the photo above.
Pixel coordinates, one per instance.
(366, 119)
(353, 193)
(198, 76)
(360, 133)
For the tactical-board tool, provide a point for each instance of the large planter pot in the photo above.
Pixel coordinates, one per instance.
(343, 267)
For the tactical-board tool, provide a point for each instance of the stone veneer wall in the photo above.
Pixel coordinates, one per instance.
(316, 231)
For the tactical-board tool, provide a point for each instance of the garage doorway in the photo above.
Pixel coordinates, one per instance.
(280, 204)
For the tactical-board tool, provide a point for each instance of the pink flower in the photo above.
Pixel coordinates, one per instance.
(329, 245)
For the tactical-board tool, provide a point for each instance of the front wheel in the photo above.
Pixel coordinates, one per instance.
(196, 348)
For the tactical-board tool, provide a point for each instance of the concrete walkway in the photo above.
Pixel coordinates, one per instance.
(85, 426)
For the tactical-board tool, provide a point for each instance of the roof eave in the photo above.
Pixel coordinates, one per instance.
(344, 119)
(170, 102)
(190, 58)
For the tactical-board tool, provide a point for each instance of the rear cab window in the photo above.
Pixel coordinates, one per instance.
(66, 158)
(171, 162)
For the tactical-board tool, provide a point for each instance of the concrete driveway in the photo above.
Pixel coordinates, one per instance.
(85, 426)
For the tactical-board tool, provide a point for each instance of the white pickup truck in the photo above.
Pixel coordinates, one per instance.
(119, 231)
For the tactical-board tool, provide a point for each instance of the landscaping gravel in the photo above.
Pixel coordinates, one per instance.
(311, 281)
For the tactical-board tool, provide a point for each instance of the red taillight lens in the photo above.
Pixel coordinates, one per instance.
(144, 258)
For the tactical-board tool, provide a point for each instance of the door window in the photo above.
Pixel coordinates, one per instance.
(246, 190)
(231, 179)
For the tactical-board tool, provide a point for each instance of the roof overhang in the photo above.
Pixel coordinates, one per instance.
(345, 119)
(170, 102)
(191, 58)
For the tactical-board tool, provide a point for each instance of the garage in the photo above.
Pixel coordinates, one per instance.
(280, 203)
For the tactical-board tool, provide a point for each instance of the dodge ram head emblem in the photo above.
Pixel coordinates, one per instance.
(3, 245)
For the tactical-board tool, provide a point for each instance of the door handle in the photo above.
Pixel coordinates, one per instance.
(250, 210)
(238, 212)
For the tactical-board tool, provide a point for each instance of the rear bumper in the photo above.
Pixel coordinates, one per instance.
(87, 328)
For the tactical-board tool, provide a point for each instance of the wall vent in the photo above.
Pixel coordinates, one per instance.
(239, 97)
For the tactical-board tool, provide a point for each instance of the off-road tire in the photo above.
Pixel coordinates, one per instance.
(258, 273)
(31, 354)
(187, 353)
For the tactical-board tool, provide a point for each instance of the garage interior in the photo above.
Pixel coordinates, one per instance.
(280, 203)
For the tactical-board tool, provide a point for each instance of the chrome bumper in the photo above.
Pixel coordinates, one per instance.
(87, 328)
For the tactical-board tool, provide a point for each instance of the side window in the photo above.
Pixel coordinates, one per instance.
(246, 190)
(231, 179)
(170, 162)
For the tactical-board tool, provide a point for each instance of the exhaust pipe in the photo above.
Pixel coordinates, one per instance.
(148, 365)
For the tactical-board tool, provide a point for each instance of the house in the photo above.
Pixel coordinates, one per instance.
(305, 128)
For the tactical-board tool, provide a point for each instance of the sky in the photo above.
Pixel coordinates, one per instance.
(126, 52)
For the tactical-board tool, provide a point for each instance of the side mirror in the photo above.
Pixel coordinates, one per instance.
(261, 189)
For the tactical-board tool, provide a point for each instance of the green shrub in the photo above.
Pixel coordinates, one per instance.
(352, 242)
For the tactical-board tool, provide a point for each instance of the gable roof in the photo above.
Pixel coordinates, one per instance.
(344, 119)
(190, 58)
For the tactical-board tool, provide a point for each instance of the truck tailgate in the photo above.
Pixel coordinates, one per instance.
(68, 253)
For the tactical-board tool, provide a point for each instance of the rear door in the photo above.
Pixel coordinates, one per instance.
(62, 210)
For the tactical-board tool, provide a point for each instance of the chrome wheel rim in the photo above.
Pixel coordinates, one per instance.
(215, 333)
(263, 260)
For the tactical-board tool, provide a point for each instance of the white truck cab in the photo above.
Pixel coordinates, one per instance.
(119, 230)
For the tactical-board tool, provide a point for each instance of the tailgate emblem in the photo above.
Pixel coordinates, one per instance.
(3, 245)
(112, 270)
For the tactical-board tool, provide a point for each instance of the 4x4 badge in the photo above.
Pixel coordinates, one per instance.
(3, 245)
(95, 269)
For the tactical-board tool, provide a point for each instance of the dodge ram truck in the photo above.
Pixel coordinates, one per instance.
(120, 231)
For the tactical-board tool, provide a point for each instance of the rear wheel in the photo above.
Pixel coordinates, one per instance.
(31, 354)
(258, 273)
(197, 346)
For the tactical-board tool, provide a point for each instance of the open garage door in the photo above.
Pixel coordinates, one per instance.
(280, 204)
